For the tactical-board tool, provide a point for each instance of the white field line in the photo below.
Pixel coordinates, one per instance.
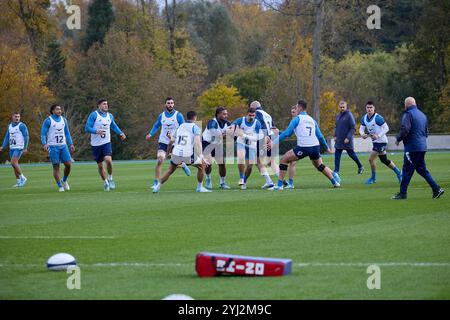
(105, 265)
(58, 237)
(380, 264)
(191, 265)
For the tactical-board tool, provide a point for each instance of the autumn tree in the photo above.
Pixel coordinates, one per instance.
(53, 65)
(22, 89)
(252, 83)
(33, 15)
(429, 62)
(213, 34)
(101, 17)
(220, 95)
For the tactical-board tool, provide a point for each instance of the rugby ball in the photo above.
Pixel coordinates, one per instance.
(177, 296)
(61, 262)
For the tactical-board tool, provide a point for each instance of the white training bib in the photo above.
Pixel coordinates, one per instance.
(248, 130)
(16, 138)
(374, 128)
(56, 135)
(184, 142)
(267, 120)
(306, 131)
(213, 139)
(168, 125)
(101, 123)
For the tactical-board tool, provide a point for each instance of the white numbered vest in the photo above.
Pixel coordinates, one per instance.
(16, 138)
(267, 120)
(208, 137)
(306, 131)
(102, 123)
(56, 135)
(373, 128)
(184, 142)
(248, 130)
(168, 124)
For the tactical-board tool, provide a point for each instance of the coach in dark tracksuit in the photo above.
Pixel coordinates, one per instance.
(414, 133)
(343, 136)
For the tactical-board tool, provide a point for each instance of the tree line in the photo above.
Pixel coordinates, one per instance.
(135, 53)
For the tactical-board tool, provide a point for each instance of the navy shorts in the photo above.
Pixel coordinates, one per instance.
(379, 147)
(163, 146)
(312, 152)
(100, 152)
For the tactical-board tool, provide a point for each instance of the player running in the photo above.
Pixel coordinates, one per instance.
(168, 121)
(377, 128)
(99, 125)
(55, 139)
(309, 139)
(17, 137)
(248, 132)
(212, 141)
(188, 150)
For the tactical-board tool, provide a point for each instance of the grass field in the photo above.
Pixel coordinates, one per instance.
(132, 244)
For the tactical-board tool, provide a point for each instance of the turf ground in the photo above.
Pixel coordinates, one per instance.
(132, 244)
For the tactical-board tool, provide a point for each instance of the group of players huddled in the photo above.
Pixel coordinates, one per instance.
(254, 137)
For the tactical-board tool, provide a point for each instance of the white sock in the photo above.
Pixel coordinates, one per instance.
(22, 176)
(199, 185)
(267, 177)
(18, 180)
(109, 177)
(222, 180)
(106, 181)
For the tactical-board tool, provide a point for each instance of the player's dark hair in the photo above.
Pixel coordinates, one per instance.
(191, 115)
(251, 110)
(370, 103)
(53, 107)
(15, 112)
(168, 98)
(302, 103)
(100, 101)
(219, 110)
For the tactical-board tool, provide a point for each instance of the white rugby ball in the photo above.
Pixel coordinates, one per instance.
(177, 296)
(61, 262)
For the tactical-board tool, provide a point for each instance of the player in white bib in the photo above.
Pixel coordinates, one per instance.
(187, 149)
(264, 155)
(168, 121)
(56, 140)
(17, 138)
(309, 139)
(377, 128)
(99, 125)
(248, 131)
(213, 147)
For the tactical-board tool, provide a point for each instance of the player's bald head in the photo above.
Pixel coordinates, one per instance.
(255, 104)
(410, 101)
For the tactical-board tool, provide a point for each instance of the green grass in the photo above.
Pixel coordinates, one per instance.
(311, 224)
